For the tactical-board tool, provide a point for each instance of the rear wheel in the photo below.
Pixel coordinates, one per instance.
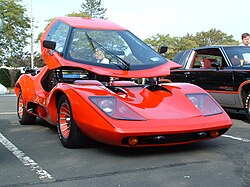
(68, 131)
(24, 117)
(247, 106)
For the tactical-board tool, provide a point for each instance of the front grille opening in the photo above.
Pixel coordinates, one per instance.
(174, 138)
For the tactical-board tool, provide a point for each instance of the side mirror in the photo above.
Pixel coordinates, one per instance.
(49, 44)
(162, 49)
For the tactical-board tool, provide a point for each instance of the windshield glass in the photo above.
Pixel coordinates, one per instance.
(111, 48)
(238, 55)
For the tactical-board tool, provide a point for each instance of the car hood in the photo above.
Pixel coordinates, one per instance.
(160, 104)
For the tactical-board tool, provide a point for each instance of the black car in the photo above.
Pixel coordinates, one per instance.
(223, 71)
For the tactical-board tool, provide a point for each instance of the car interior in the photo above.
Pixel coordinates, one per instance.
(205, 58)
(81, 77)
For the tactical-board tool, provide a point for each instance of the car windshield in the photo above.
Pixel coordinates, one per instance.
(238, 55)
(111, 48)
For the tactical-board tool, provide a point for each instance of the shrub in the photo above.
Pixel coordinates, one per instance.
(5, 77)
(18, 74)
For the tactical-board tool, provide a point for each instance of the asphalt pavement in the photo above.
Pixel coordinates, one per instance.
(32, 155)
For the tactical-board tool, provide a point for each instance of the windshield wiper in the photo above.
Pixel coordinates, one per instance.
(92, 41)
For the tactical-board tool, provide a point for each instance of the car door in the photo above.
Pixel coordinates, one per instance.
(57, 32)
(217, 80)
(182, 74)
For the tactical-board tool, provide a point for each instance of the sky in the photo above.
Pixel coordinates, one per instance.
(146, 18)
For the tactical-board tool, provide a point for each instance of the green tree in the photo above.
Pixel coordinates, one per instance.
(177, 44)
(180, 44)
(214, 37)
(79, 14)
(162, 40)
(93, 8)
(185, 42)
(159, 40)
(14, 35)
(23, 59)
(1, 25)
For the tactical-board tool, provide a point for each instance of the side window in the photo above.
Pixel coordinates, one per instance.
(181, 58)
(59, 33)
(80, 47)
(208, 59)
(197, 63)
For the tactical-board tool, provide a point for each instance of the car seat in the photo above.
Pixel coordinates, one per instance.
(208, 61)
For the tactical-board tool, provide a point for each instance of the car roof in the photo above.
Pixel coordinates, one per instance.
(90, 23)
(218, 46)
(208, 47)
(55, 60)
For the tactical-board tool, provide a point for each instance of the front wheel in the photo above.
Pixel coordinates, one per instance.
(24, 117)
(68, 131)
(247, 106)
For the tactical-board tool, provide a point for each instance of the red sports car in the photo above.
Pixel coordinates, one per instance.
(102, 83)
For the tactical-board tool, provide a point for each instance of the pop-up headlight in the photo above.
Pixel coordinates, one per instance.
(115, 108)
(205, 104)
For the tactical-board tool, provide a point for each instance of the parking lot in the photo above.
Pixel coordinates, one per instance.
(33, 156)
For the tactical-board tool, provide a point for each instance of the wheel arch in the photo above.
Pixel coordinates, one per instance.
(54, 100)
(52, 106)
(245, 95)
(17, 89)
(244, 89)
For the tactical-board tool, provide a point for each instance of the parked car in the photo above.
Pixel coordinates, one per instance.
(3, 89)
(223, 71)
(89, 90)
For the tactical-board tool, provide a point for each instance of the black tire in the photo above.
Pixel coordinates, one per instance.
(69, 133)
(247, 106)
(24, 117)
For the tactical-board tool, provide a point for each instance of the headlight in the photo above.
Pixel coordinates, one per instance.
(205, 104)
(115, 108)
(107, 106)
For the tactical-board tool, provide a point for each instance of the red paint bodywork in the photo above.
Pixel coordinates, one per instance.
(164, 112)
